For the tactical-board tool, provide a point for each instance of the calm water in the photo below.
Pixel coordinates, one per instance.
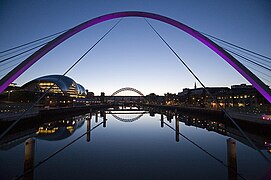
(133, 145)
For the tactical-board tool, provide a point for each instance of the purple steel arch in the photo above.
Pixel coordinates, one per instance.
(17, 71)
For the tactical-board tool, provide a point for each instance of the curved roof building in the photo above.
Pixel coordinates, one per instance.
(61, 84)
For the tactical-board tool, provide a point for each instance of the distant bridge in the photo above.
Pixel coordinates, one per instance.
(127, 89)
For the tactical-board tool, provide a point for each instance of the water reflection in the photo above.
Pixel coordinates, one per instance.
(59, 129)
(129, 116)
(50, 130)
(260, 135)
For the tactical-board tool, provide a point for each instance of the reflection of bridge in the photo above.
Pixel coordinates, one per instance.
(123, 114)
(127, 117)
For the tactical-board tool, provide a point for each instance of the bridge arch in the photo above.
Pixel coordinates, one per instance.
(247, 74)
(128, 89)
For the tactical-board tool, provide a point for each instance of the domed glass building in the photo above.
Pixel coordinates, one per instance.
(62, 85)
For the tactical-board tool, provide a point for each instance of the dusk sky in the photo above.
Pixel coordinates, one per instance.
(132, 55)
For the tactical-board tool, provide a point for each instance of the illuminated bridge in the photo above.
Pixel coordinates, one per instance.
(258, 84)
(225, 55)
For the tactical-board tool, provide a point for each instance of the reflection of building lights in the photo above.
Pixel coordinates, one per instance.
(241, 105)
(46, 131)
(70, 128)
(266, 117)
(221, 104)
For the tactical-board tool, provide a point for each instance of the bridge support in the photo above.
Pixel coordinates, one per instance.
(96, 117)
(162, 120)
(177, 128)
(104, 119)
(88, 128)
(231, 155)
(102, 98)
(169, 116)
(29, 154)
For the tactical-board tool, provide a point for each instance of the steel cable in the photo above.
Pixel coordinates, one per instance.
(56, 152)
(205, 151)
(222, 109)
(15, 122)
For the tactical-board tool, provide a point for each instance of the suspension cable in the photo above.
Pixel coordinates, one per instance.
(9, 66)
(15, 122)
(204, 150)
(26, 47)
(22, 52)
(261, 73)
(222, 109)
(2, 69)
(239, 55)
(253, 69)
(249, 56)
(33, 41)
(56, 152)
(15, 59)
(243, 52)
(252, 52)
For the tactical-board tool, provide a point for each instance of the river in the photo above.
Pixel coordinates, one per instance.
(134, 144)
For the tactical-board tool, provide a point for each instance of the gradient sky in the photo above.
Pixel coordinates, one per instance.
(132, 55)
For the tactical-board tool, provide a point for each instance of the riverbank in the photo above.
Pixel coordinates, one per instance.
(6, 117)
(240, 116)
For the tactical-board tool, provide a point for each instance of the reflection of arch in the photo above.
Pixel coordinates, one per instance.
(128, 119)
(254, 80)
(127, 89)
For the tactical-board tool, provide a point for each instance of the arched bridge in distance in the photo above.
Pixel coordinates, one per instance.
(128, 89)
(126, 117)
(239, 67)
(126, 99)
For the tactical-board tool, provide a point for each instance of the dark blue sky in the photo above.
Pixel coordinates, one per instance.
(132, 55)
